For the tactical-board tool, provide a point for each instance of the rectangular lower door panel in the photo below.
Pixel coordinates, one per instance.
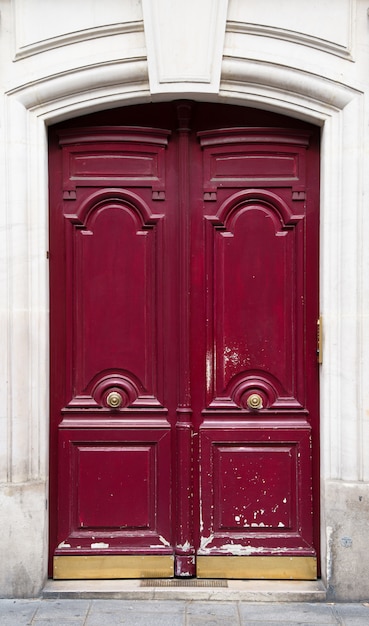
(109, 567)
(256, 489)
(114, 493)
(257, 567)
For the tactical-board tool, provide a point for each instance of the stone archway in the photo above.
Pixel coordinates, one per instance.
(32, 106)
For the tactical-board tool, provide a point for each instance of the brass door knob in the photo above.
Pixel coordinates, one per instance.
(114, 400)
(255, 401)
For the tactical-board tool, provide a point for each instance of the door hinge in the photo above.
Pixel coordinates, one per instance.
(319, 340)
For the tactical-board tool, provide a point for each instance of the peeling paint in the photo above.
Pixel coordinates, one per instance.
(164, 541)
(236, 549)
(100, 545)
(185, 547)
(201, 522)
(64, 545)
(182, 572)
(231, 356)
(205, 542)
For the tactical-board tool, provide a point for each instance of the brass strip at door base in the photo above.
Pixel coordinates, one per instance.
(114, 566)
(257, 567)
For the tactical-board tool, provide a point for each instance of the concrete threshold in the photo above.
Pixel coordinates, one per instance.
(235, 590)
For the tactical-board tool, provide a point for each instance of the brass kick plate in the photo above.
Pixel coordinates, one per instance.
(257, 567)
(156, 566)
(109, 567)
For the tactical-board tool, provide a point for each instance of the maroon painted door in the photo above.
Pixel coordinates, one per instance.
(184, 376)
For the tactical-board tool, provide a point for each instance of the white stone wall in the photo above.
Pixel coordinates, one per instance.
(306, 58)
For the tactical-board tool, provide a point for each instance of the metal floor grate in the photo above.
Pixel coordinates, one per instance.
(182, 582)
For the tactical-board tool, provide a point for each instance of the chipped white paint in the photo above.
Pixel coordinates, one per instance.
(184, 572)
(236, 549)
(164, 541)
(63, 544)
(231, 356)
(185, 547)
(201, 519)
(99, 545)
(205, 541)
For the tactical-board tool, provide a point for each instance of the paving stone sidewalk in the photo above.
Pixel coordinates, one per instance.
(109, 612)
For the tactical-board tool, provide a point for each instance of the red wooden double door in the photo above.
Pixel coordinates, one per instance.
(184, 376)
